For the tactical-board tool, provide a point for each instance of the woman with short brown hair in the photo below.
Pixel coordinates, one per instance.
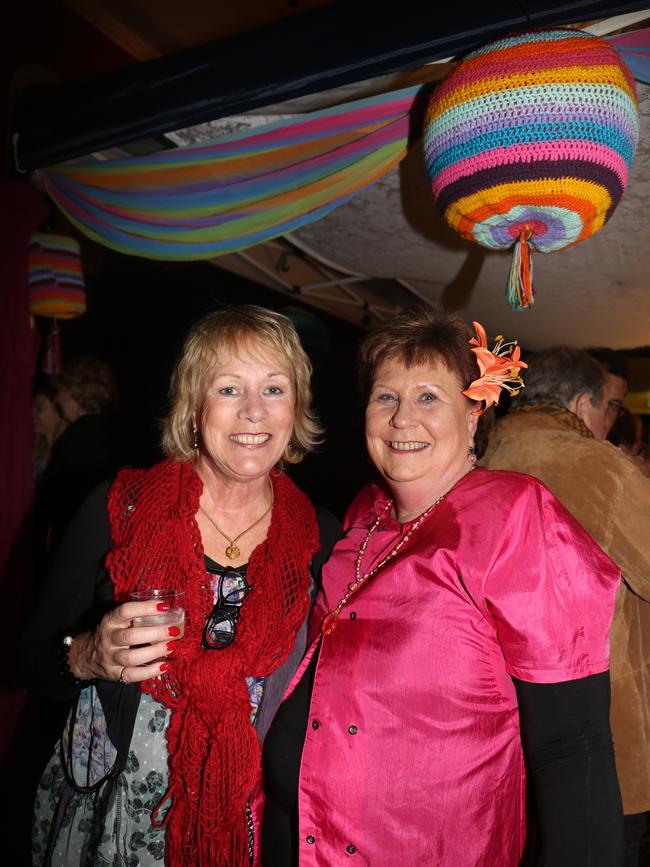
(462, 625)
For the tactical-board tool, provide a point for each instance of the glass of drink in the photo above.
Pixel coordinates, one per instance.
(174, 616)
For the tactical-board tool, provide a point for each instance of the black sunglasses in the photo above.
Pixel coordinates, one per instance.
(221, 625)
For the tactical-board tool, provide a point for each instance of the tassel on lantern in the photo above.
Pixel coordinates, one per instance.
(519, 292)
(53, 355)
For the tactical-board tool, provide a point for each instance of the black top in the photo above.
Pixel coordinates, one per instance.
(74, 598)
(281, 757)
(83, 456)
(78, 592)
(568, 749)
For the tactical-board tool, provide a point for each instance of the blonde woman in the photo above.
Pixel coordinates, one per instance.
(162, 757)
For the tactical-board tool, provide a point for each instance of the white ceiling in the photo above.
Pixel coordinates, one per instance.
(594, 294)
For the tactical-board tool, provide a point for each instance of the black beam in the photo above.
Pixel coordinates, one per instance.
(319, 49)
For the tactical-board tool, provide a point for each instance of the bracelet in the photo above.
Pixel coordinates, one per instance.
(64, 663)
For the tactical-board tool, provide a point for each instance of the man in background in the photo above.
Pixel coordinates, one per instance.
(617, 382)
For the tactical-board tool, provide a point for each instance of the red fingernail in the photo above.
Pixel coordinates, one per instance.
(174, 631)
(165, 666)
(162, 606)
(171, 647)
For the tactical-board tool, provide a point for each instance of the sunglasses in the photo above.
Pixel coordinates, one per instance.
(221, 625)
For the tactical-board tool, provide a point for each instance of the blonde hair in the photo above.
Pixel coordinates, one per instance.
(213, 338)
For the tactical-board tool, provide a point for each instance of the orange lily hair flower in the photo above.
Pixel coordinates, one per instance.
(499, 368)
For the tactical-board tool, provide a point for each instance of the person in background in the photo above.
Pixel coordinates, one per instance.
(85, 454)
(617, 382)
(555, 431)
(46, 422)
(86, 387)
(628, 433)
(464, 616)
(160, 761)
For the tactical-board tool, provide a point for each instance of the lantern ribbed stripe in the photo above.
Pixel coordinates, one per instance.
(55, 279)
(534, 132)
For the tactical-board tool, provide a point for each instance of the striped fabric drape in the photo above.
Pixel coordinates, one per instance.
(203, 200)
(634, 49)
(230, 193)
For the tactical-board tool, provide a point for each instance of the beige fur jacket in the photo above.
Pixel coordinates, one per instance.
(610, 496)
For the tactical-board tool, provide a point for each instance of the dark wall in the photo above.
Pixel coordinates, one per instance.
(138, 315)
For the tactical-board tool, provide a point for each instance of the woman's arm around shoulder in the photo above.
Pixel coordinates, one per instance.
(329, 528)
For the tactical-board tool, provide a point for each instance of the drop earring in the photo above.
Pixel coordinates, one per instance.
(195, 443)
(471, 455)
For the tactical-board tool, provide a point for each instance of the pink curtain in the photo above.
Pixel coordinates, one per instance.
(22, 209)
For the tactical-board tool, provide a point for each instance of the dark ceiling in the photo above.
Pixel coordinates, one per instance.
(201, 61)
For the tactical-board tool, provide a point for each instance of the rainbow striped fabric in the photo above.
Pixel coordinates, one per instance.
(532, 136)
(203, 200)
(634, 49)
(55, 279)
(523, 103)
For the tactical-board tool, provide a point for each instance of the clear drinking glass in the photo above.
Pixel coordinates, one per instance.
(175, 616)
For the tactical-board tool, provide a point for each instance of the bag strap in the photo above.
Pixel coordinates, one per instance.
(120, 703)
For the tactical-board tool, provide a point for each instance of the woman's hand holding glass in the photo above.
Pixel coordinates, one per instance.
(124, 647)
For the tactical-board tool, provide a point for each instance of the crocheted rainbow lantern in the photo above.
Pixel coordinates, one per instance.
(528, 144)
(55, 287)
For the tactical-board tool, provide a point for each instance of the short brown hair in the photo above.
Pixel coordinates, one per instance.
(425, 335)
(559, 374)
(214, 337)
(419, 335)
(90, 381)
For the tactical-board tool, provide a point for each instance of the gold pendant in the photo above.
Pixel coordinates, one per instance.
(232, 552)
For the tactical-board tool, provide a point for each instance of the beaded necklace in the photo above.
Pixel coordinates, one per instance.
(331, 621)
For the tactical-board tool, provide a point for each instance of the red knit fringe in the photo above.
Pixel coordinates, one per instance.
(214, 753)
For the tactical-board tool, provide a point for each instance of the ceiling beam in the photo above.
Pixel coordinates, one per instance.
(321, 48)
(109, 19)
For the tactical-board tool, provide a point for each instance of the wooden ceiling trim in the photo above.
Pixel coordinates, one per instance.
(141, 44)
(147, 31)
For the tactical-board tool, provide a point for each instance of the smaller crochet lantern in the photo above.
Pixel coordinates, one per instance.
(56, 287)
(528, 144)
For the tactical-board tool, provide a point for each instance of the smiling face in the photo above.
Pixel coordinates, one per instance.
(247, 417)
(419, 427)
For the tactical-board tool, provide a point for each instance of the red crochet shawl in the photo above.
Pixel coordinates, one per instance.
(214, 753)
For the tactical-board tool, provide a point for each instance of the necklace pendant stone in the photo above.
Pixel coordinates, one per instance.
(232, 552)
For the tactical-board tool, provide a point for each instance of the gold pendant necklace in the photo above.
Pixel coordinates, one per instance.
(233, 551)
(331, 621)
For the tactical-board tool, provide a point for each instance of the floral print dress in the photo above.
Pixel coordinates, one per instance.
(111, 824)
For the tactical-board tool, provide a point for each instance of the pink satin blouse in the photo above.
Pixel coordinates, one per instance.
(413, 755)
